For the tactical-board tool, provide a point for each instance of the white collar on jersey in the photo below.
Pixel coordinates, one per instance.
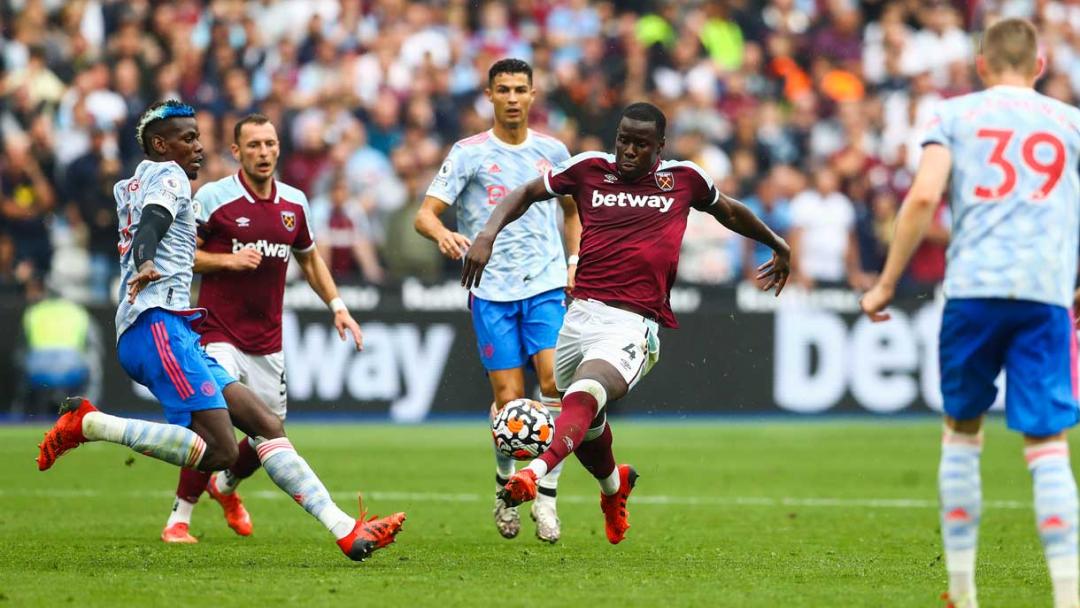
(247, 191)
(509, 146)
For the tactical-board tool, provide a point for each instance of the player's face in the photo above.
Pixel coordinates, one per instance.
(511, 94)
(257, 151)
(637, 146)
(181, 144)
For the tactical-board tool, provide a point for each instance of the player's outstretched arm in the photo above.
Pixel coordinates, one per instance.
(916, 214)
(318, 276)
(738, 218)
(152, 226)
(511, 208)
(427, 223)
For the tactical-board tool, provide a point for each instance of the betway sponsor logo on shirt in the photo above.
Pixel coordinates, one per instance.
(627, 199)
(268, 249)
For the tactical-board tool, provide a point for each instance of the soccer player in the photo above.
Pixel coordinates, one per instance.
(249, 225)
(1010, 155)
(158, 348)
(518, 311)
(633, 209)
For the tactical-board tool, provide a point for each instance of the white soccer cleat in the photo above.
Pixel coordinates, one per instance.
(507, 519)
(547, 521)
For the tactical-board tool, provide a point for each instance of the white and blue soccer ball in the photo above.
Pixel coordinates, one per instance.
(523, 429)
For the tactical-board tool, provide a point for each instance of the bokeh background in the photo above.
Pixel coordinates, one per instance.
(807, 110)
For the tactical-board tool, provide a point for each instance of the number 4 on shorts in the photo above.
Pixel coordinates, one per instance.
(631, 349)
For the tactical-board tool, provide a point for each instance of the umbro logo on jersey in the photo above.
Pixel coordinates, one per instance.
(494, 168)
(626, 199)
(243, 222)
(268, 249)
(611, 178)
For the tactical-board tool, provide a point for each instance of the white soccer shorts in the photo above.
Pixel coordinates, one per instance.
(263, 374)
(594, 330)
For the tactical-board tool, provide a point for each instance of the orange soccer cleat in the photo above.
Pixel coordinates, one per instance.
(178, 534)
(521, 488)
(66, 434)
(616, 519)
(235, 514)
(368, 536)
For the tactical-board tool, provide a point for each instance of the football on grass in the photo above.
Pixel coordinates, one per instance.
(523, 429)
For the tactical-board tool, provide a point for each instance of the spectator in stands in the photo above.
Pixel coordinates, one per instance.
(344, 233)
(27, 199)
(822, 237)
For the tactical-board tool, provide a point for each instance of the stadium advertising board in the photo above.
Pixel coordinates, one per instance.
(738, 351)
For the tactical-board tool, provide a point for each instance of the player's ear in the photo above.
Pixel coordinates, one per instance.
(1040, 65)
(235, 149)
(158, 143)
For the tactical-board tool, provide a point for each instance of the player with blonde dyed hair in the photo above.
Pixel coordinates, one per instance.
(1009, 156)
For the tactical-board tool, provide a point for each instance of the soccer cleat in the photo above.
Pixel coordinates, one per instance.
(66, 434)
(521, 488)
(235, 514)
(178, 534)
(547, 521)
(965, 602)
(507, 520)
(616, 519)
(368, 536)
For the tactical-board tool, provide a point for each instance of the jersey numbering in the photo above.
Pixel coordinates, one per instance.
(1052, 170)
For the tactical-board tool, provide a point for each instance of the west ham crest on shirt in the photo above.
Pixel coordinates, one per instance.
(288, 218)
(665, 180)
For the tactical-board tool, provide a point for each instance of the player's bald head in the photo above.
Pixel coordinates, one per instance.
(1011, 45)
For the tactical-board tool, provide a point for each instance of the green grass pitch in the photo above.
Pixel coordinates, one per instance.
(725, 514)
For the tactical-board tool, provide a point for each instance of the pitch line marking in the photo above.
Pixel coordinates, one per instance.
(644, 499)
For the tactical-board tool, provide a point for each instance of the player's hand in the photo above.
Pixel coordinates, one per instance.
(454, 245)
(148, 273)
(776, 271)
(873, 302)
(475, 259)
(344, 322)
(571, 273)
(245, 259)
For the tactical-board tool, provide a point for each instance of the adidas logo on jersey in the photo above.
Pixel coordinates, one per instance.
(494, 168)
(626, 199)
(268, 249)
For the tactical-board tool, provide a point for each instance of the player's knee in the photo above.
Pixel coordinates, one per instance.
(548, 388)
(219, 455)
(269, 426)
(506, 394)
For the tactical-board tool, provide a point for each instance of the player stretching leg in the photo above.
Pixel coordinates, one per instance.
(248, 226)
(1012, 154)
(633, 209)
(158, 348)
(518, 311)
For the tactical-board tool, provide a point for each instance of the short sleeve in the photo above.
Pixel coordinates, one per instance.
(938, 130)
(563, 178)
(704, 191)
(169, 189)
(453, 176)
(200, 205)
(305, 236)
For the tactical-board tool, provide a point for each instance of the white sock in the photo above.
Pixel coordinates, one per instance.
(225, 482)
(292, 474)
(539, 467)
(181, 512)
(960, 492)
(610, 484)
(169, 442)
(1057, 511)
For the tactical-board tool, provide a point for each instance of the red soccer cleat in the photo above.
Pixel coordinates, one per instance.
(235, 514)
(66, 434)
(178, 534)
(368, 536)
(616, 519)
(521, 488)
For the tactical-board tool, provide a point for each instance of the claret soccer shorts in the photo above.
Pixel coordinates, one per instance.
(594, 330)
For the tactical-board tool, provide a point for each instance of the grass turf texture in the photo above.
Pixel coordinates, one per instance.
(729, 523)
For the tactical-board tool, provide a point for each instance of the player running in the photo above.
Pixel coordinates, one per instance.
(1012, 155)
(249, 224)
(633, 209)
(158, 348)
(518, 311)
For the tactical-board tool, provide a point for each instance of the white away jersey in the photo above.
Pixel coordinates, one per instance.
(167, 185)
(528, 256)
(1014, 194)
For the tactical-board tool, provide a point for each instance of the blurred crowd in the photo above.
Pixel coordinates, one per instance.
(808, 110)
